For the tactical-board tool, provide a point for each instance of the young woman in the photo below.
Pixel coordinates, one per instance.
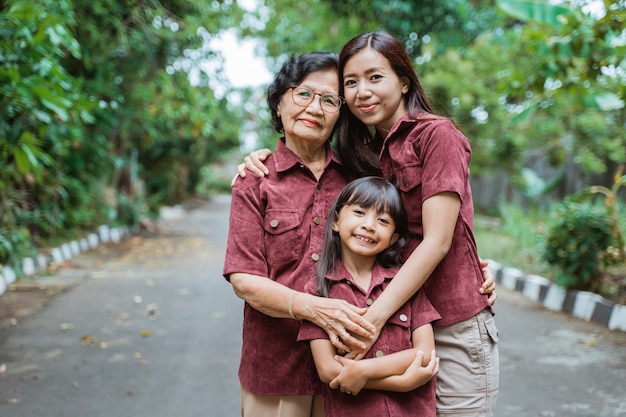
(366, 233)
(391, 128)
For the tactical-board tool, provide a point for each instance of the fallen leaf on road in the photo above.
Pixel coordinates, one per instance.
(87, 339)
(145, 333)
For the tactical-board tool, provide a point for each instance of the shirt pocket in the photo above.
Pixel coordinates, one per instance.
(283, 237)
(398, 330)
(409, 180)
(409, 177)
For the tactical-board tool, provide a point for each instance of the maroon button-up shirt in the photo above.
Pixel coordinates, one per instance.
(394, 337)
(425, 158)
(276, 230)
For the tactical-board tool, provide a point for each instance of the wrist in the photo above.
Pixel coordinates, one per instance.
(292, 299)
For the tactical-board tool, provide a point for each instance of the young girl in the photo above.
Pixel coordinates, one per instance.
(391, 128)
(365, 236)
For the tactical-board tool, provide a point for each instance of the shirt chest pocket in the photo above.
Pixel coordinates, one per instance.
(409, 181)
(398, 330)
(409, 177)
(283, 237)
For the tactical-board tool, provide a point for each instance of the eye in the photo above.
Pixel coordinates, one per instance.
(376, 77)
(384, 220)
(349, 83)
(303, 93)
(332, 100)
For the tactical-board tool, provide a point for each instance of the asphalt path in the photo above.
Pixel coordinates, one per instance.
(151, 329)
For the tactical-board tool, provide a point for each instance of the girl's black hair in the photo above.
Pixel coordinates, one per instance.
(293, 71)
(366, 192)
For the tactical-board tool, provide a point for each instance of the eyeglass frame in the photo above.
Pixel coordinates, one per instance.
(322, 103)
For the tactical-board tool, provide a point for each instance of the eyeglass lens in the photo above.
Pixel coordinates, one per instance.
(304, 96)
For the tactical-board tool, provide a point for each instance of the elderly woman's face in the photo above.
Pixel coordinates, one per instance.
(310, 124)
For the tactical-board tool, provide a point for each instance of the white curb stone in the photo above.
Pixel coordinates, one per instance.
(533, 285)
(555, 298)
(618, 318)
(509, 278)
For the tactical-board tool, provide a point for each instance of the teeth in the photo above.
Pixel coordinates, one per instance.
(364, 239)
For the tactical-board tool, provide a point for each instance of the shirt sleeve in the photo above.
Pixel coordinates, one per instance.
(446, 155)
(245, 251)
(422, 311)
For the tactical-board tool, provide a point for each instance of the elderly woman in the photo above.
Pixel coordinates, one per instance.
(276, 231)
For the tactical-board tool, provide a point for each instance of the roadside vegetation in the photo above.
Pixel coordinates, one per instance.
(110, 110)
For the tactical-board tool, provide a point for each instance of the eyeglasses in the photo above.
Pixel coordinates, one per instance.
(304, 96)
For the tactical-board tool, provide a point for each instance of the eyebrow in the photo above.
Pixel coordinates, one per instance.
(367, 71)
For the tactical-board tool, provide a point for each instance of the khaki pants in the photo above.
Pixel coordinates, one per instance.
(468, 379)
(253, 405)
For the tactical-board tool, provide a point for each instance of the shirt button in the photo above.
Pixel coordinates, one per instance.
(315, 257)
(317, 220)
(369, 302)
(403, 317)
(274, 223)
(380, 353)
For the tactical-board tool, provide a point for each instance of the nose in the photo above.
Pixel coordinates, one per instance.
(368, 222)
(316, 104)
(363, 90)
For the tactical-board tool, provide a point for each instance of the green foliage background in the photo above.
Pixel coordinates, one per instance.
(100, 123)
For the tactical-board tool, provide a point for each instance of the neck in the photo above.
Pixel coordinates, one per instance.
(313, 157)
(360, 267)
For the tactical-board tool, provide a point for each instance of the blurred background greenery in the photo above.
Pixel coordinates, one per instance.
(112, 109)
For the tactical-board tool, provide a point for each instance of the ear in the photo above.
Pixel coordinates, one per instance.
(394, 239)
(335, 226)
(405, 85)
(278, 108)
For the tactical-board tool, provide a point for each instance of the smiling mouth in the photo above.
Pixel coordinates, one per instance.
(363, 238)
(366, 107)
(310, 122)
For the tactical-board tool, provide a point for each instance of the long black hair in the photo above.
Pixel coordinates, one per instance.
(366, 192)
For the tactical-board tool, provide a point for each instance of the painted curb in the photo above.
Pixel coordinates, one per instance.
(30, 266)
(582, 304)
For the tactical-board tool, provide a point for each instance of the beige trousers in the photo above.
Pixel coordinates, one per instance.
(253, 405)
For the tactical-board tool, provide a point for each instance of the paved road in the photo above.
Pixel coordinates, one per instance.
(152, 330)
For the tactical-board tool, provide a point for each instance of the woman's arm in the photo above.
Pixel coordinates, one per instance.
(439, 216)
(276, 300)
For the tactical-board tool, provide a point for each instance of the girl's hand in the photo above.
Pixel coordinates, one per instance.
(417, 375)
(253, 163)
(489, 285)
(351, 379)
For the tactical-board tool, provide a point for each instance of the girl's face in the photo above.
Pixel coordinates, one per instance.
(309, 125)
(373, 91)
(364, 231)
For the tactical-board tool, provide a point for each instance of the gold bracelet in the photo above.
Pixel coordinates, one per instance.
(290, 307)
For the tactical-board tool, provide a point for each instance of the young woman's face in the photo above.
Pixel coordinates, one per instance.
(373, 91)
(364, 231)
(310, 124)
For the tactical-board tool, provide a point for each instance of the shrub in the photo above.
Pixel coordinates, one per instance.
(579, 243)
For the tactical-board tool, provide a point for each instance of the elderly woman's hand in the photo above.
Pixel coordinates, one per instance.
(343, 321)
